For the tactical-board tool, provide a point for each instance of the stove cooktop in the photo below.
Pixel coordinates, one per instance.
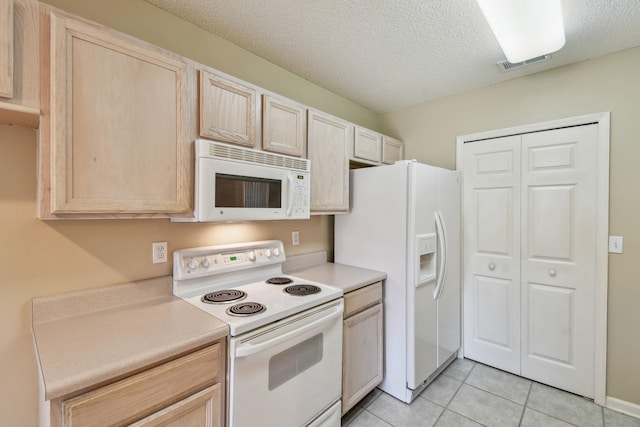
(277, 303)
(250, 272)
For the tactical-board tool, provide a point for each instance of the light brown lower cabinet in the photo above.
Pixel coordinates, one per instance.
(187, 392)
(199, 410)
(362, 349)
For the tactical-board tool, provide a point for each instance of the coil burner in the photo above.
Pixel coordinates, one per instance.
(246, 309)
(224, 296)
(302, 290)
(279, 281)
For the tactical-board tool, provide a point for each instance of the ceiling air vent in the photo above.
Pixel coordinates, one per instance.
(508, 66)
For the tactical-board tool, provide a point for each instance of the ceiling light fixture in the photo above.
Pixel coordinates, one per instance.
(525, 29)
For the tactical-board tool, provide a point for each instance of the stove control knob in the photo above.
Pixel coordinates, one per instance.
(267, 253)
(193, 263)
(276, 252)
(252, 256)
(206, 262)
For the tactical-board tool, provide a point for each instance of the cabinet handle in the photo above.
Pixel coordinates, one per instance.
(552, 273)
(492, 266)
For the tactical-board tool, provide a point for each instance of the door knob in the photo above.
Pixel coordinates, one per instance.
(492, 266)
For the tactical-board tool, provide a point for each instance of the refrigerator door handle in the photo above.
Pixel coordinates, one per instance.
(442, 256)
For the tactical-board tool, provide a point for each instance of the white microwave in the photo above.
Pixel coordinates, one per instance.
(241, 184)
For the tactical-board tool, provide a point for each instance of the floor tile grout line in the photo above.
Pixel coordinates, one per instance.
(496, 395)
(381, 419)
(553, 416)
(464, 416)
(446, 408)
(525, 402)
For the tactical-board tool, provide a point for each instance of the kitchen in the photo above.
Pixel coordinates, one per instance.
(44, 258)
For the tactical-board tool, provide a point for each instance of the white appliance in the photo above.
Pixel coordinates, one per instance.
(285, 349)
(405, 221)
(241, 184)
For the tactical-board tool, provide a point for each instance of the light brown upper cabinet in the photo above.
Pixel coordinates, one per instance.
(392, 150)
(6, 48)
(284, 127)
(114, 139)
(19, 63)
(328, 150)
(367, 146)
(227, 110)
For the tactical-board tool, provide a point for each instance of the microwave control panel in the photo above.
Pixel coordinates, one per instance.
(301, 195)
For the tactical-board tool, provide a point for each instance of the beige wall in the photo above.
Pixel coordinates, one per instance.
(610, 83)
(40, 258)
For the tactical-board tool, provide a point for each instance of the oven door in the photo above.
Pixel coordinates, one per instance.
(289, 372)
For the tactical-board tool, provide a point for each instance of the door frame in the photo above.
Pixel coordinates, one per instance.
(602, 233)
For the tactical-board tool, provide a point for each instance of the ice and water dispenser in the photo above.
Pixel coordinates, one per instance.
(426, 245)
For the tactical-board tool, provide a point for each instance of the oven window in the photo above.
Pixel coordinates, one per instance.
(235, 191)
(294, 360)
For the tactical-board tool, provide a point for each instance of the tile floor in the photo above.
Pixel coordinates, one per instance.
(471, 394)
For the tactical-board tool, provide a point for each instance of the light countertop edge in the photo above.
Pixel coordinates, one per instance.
(90, 349)
(345, 277)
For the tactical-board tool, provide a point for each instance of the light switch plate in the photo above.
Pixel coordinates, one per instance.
(615, 244)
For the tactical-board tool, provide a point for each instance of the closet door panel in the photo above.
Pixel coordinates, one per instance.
(558, 257)
(491, 211)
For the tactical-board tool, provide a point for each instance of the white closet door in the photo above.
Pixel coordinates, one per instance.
(491, 210)
(558, 249)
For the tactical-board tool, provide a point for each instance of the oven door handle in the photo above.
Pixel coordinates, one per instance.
(249, 349)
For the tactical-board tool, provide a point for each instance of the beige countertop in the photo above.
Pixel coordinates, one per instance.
(89, 338)
(346, 277)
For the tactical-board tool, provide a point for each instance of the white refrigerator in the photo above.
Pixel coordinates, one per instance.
(405, 220)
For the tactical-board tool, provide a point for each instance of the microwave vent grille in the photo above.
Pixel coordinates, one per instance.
(257, 157)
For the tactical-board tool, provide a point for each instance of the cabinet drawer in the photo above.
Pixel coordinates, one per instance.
(137, 396)
(203, 409)
(362, 298)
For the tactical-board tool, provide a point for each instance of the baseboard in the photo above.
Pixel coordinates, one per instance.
(623, 406)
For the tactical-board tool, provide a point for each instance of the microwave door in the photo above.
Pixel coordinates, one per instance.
(236, 191)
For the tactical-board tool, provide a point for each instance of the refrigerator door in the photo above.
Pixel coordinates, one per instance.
(421, 315)
(374, 235)
(448, 301)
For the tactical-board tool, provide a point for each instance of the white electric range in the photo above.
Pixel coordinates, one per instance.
(285, 349)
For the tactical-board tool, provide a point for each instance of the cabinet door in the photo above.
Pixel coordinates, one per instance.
(367, 146)
(203, 409)
(116, 130)
(329, 141)
(6, 48)
(362, 355)
(19, 62)
(392, 150)
(227, 110)
(284, 127)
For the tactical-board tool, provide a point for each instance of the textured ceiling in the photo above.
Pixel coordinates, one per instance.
(389, 54)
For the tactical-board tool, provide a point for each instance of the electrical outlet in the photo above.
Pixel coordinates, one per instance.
(159, 252)
(295, 238)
